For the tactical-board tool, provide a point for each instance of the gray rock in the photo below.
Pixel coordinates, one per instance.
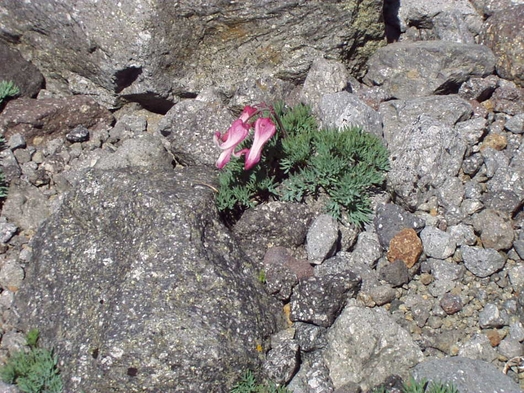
(78, 134)
(146, 151)
(343, 109)
(478, 347)
(282, 362)
(322, 238)
(319, 300)
(380, 294)
(11, 275)
(310, 337)
(516, 124)
(10, 166)
(140, 256)
(23, 73)
(367, 251)
(418, 69)
(504, 201)
(492, 317)
(318, 378)
(280, 281)
(462, 234)
(472, 130)
(159, 51)
(265, 89)
(274, 223)
(516, 331)
(128, 126)
(482, 262)
(362, 339)
(452, 26)
(467, 375)
(451, 193)
(507, 42)
(16, 141)
(395, 273)
(7, 231)
(495, 228)
(518, 245)
(444, 270)
(437, 244)
(26, 206)
(510, 348)
(478, 89)
(422, 155)
(190, 126)
(324, 77)
(390, 219)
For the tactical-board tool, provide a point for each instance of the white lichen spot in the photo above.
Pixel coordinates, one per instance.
(116, 352)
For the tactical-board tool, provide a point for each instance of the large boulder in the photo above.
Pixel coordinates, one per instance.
(138, 286)
(503, 34)
(417, 69)
(156, 52)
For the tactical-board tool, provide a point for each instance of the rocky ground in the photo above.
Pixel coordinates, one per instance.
(439, 270)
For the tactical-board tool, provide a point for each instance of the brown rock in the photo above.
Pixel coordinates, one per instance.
(451, 304)
(495, 141)
(405, 246)
(50, 118)
(494, 337)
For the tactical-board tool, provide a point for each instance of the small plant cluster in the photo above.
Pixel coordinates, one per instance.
(34, 371)
(422, 386)
(8, 89)
(248, 384)
(300, 160)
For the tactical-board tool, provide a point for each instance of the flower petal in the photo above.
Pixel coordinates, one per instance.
(224, 158)
(264, 130)
(247, 113)
(235, 135)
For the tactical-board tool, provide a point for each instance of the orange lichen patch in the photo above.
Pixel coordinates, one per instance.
(406, 246)
(495, 141)
(494, 337)
(287, 314)
(259, 347)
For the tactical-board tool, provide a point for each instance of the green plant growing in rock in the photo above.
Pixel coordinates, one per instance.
(8, 89)
(248, 384)
(33, 371)
(422, 386)
(300, 161)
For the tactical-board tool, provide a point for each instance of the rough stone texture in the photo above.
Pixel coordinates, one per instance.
(13, 67)
(144, 151)
(344, 109)
(503, 33)
(26, 205)
(157, 51)
(319, 300)
(450, 303)
(324, 77)
(49, 118)
(515, 124)
(363, 339)
(189, 127)
(492, 317)
(489, 7)
(424, 148)
(272, 224)
(321, 239)
(467, 375)
(395, 273)
(507, 98)
(437, 244)
(478, 89)
(416, 69)
(405, 246)
(282, 362)
(390, 219)
(495, 228)
(482, 262)
(135, 282)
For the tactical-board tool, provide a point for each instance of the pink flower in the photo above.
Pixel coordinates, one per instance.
(264, 130)
(230, 140)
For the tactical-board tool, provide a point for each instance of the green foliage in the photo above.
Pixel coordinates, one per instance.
(302, 160)
(249, 384)
(34, 371)
(422, 386)
(8, 89)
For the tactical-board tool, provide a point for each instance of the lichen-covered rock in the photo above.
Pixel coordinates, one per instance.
(156, 52)
(504, 35)
(137, 285)
(363, 339)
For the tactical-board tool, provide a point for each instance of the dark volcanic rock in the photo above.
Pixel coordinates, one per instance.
(139, 286)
